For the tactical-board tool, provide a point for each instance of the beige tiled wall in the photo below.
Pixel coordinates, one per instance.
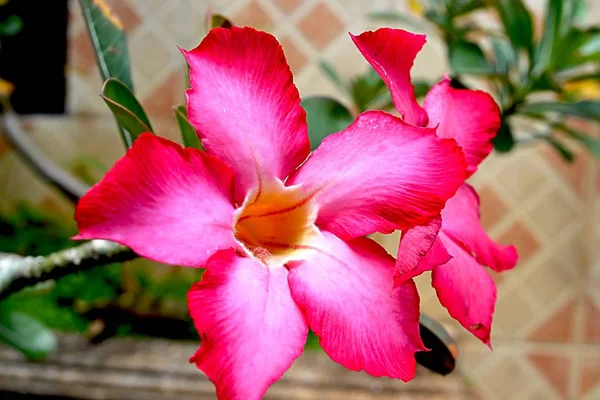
(546, 334)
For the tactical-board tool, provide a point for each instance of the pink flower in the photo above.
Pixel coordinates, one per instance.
(280, 233)
(454, 246)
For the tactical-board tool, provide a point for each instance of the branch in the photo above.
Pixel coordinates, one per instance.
(41, 165)
(18, 272)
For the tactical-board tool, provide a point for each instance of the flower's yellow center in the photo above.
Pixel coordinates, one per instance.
(276, 223)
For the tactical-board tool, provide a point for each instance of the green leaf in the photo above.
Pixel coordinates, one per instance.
(468, 58)
(591, 143)
(588, 109)
(324, 117)
(546, 49)
(11, 26)
(517, 23)
(333, 76)
(591, 46)
(504, 56)
(421, 88)
(188, 133)
(504, 140)
(444, 350)
(108, 39)
(25, 334)
(220, 21)
(560, 148)
(129, 113)
(546, 82)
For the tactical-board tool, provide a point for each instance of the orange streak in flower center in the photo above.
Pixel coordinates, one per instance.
(278, 225)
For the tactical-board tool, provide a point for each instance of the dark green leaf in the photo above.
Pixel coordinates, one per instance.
(368, 91)
(573, 15)
(547, 47)
(592, 45)
(589, 109)
(444, 351)
(560, 148)
(504, 140)
(421, 88)
(504, 56)
(25, 334)
(127, 110)
(188, 133)
(591, 143)
(108, 38)
(464, 7)
(220, 21)
(11, 26)
(324, 117)
(546, 82)
(333, 76)
(468, 58)
(517, 23)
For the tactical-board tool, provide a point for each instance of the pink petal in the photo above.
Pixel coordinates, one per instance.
(392, 53)
(345, 290)
(419, 251)
(245, 106)
(461, 222)
(251, 329)
(466, 290)
(471, 117)
(380, 174)
(167, 203)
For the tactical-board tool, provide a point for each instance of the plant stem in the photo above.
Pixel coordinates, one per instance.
(68, 185)
(17, 272)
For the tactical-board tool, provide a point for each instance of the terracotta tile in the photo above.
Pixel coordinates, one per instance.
(513, 312)
(254, 15)
(521, 178)
(591, 322)
(295, 57)
(149, 54)
(287, 6)
(524, 240)
(554, 368)
(574, 173)
(321, 26)
(126, 13)
(589, 376)
(553, 212)
(168, 94)
(491, 206)
(558, 327)
(504, 370)
(81, 54)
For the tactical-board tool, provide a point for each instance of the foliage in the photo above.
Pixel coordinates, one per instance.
(518, 65)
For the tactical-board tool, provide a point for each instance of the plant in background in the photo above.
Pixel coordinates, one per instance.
(537, 80)
(280, 228)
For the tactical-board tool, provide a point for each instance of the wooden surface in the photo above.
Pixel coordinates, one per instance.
(152, 369)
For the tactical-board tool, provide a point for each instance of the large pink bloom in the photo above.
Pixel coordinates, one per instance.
(281, 233)
(454, 246)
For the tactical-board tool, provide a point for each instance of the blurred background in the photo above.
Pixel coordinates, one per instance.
(546, 331)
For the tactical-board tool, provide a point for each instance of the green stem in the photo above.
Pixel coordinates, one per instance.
(17, 272)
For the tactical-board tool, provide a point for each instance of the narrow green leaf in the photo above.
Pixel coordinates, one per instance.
(129, 113)
(504, 56)
(504, 140)
(324, 117)
(108, 39)
(334, 76)
(444, 350)
(588, 109)
(546, 82)
(517, 23)
(547, 45)
(592, 45)
(421, 88)
(468, 58)
(11, 26)
(560, 148)
(25, 334)
(591, 143)
(188, 133)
